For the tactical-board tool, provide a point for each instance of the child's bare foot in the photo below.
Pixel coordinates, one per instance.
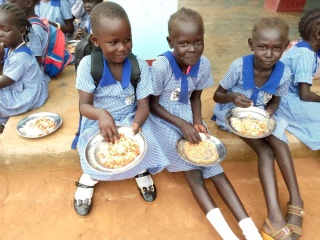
(295, 214)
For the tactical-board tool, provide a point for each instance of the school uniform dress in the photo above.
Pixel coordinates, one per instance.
(240, 79)
(30, 87)
(118, 98)
(57, 11)
(80, 14)
(166, 85)
(38, 40)
(303, 117)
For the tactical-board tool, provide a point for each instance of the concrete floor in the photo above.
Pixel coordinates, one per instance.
(37, 203)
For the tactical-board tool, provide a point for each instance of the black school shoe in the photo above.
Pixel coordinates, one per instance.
(148, 194)
(83, 207)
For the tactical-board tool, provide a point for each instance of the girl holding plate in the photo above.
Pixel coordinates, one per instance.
(261, 79)
(178, 80)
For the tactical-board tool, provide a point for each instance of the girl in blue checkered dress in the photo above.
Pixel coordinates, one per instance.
(301, 107)
(178, 80)
(23, 86)
(261, 79)
(114, 103)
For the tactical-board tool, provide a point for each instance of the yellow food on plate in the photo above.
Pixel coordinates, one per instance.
(249, 126)
(121, 153)
(71, 48)
(202, 153)
(39, 126)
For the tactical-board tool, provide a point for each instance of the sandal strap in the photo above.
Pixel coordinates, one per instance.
(142, 174)
(295, 229)
(295, 210)
(280, 234)
(83, 185)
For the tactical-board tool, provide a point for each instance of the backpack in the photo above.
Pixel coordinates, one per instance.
(86, 47)
(56, 57)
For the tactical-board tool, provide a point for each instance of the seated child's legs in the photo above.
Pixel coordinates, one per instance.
(85, 187)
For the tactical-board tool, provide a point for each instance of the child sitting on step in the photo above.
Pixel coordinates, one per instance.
(301, 106)
(261, 79)
(23, 85)
(179, 76)
(114, 102)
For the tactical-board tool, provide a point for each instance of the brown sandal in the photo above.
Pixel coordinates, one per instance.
(280, 234)
(298, 212)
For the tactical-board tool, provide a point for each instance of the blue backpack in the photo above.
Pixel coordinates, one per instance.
(56, 57)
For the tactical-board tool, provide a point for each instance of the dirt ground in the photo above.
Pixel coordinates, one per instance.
(39, 205)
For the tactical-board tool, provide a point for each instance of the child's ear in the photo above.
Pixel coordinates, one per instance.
(94, 40)
(169, 42)
(317, 34)
(29, 3)
(22, 31)
(250, 43)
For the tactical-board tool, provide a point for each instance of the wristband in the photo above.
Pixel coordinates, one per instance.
(58, 25)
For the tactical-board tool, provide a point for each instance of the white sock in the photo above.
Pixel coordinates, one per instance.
(215, 217)
(85, 193)
(145, 181)
(249, 229)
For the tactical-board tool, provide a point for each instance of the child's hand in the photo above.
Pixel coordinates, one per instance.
(108, 128)
(241, 100)
(135, 127)
(201, 128)
(190, 133)
(1, 51)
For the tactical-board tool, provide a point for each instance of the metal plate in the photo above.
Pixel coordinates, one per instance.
(93, 146)
(220, 147)
(250, 112)
(71, 45)
(23, 131)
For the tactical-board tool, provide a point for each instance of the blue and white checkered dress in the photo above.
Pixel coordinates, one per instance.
(30, 89)
(303, 117)
(113, 98)
(38, 40)
(233, 82)
(55, 13)
(165, 84)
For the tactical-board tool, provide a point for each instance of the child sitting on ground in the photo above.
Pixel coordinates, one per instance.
(23, 85)
(38, 37)
(178, 80)
(80, 14)
(114, 103)
(88, 6)
(301, 106)
(261, 79)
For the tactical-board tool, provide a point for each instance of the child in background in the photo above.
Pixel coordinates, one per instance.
(262, 79)
(177, 113)
(38, 37)
(301, 107)
(58, 12)
(80, 14)
(88, 6)
(114, 103)
(23, 86)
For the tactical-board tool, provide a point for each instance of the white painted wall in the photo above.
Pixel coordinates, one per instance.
(149, 24)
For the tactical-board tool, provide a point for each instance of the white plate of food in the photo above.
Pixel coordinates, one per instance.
(208, 152)
(251, 122)
(110, 158)
(71, 45)
(39, 124)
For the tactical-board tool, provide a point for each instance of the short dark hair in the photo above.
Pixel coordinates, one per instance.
(184, 15)
(308, 23)
(109, 10)
(271, 22)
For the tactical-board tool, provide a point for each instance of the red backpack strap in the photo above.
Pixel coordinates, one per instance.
(38, 21)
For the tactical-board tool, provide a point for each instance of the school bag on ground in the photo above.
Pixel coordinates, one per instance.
(86, 47)
(56, 57)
